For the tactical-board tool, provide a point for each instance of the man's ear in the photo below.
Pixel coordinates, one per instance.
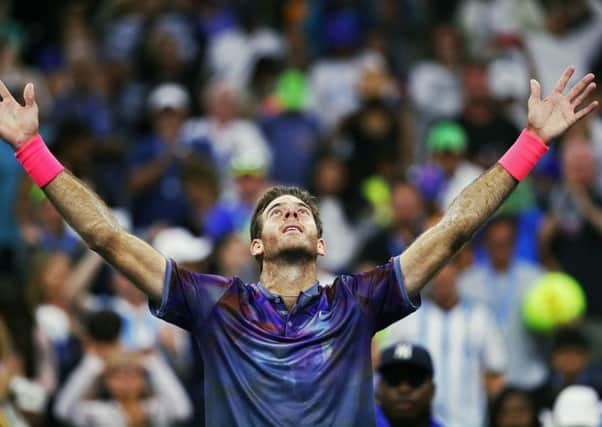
(321, 247)
(256, 247)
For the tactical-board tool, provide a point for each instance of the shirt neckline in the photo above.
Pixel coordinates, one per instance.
(313, 290)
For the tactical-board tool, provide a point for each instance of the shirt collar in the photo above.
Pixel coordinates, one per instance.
(310, 292)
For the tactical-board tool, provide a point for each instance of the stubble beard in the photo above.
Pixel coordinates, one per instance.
(292, 256)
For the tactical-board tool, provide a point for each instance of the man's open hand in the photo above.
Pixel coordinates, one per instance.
(551, 116)
(18, 123)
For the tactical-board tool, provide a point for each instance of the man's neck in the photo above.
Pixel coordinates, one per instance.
(288, 280)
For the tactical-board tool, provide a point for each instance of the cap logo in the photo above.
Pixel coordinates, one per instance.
(403, 351)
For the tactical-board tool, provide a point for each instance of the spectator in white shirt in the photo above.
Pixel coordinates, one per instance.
(112, 387)
(501, 282)
(467, 347)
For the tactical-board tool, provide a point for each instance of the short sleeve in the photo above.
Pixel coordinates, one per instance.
(188, 297)
(382, 294)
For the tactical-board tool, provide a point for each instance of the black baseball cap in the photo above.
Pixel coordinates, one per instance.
(405, 353)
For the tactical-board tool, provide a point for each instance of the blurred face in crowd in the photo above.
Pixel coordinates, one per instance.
(570, 361)
(448, 161)
(446, 45)
(289, 232)
(166, 53)
(478, 105)
(125, 381)
(405, 393)
(373, 82)
(499, 241)
(516, 410)
(222, 102)
(201, 195)
(579, 163)
(330, 176)
(250, 186)
(232, 255)
(406, 205)
(444, 291)
(562, 15)
(168, 121)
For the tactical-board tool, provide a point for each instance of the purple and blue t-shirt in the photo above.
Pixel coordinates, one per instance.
(268, 366)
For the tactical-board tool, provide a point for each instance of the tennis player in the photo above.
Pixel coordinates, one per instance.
(288, 350)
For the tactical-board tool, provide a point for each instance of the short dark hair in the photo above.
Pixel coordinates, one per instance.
(570, 337)
(273, 193)
(103, 325)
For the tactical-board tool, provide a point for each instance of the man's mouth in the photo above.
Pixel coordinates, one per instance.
(292, 228)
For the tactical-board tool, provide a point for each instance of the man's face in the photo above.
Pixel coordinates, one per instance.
(405, 392)
(288, 228)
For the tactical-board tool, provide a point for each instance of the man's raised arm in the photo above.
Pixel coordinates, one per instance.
(547, 119)
(79, 206)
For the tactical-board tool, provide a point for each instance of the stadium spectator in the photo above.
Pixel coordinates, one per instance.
(501, 282)
(117, 388)
(447, 144)
(513, 407)
(405, 388)
(155, 161)
(570, 363)
(468, 350)
(571, 235)
(488, 131)
(407, 220)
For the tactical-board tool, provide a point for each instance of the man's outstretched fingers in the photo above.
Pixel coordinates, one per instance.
(4, 92)
(29, 95)
(564, 79)
(578, 88)
(584, 94)
(535, 90)
(585, 111)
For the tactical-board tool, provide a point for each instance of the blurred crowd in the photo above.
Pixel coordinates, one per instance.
(180, 113)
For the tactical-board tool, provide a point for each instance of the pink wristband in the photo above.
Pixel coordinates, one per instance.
(523, 155)
(37, 160)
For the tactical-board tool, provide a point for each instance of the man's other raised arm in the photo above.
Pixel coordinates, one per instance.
(547, 119)
(79, 206)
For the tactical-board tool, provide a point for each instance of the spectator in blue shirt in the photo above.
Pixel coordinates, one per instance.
(155, 161)
(293, 133)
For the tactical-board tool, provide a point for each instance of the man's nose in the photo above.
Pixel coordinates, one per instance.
(291, 212)
(405, 387)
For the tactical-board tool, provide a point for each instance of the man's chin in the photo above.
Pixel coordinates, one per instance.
(293, 255)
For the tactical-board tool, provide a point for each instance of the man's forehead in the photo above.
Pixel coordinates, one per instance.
(285, 200)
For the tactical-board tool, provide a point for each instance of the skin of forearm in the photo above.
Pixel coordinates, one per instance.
(93, 221)
(433, 249)
(82, 209)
